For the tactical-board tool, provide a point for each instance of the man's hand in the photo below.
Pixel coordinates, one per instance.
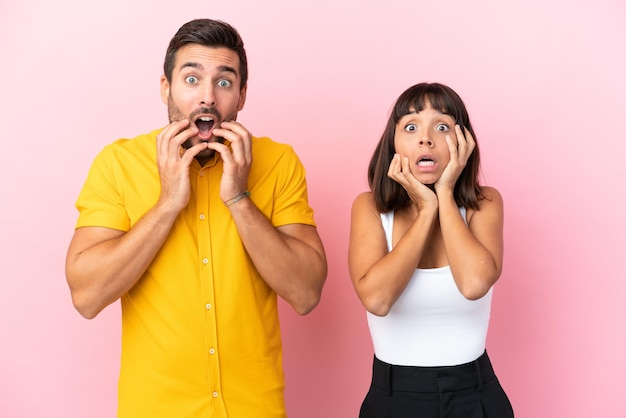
(173, 162)
(237, 159)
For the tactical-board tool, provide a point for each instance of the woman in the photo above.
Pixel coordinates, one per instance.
(425, 251)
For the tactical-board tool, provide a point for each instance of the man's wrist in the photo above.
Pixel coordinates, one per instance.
(237, 198)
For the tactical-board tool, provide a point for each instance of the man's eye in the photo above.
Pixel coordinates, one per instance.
(442, 127)
(224, 83)
(191, 79)
(410, 127)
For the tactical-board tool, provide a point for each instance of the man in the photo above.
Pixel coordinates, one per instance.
(197, 227)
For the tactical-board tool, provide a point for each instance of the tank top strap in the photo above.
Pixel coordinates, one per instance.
(387, 221)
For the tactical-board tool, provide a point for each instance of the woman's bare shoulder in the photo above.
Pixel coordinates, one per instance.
(490, 199)
(490, 196)
(364, 207)
(364, 199)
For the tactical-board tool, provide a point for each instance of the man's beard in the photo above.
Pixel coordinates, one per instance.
(175, 114)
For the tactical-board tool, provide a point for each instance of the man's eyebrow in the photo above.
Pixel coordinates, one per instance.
(221, 68)
(192, 65)
(227, 69)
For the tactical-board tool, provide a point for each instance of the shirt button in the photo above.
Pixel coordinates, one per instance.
(212, 351)
(215, 394)
(205, 261)
(201, 173)
(208, 306)
(202, 216)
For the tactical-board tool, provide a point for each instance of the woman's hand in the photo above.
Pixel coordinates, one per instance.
(419, 193)
(460, 151)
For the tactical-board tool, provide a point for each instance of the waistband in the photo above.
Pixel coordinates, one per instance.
(432, 379)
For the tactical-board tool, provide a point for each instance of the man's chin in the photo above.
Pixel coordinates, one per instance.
(195, 141)
(206, 153)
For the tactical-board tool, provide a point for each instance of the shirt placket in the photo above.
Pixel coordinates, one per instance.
(208, 290)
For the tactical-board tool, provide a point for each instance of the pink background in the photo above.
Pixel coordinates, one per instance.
(544, 84)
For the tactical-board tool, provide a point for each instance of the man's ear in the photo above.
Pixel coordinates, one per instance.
(242, 97)
(165, 89)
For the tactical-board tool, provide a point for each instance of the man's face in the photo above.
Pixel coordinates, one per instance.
(205, 88)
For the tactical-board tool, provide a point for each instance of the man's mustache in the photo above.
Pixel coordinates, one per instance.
(206, 111)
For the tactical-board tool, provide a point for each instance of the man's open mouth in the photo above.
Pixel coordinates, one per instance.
(205, 124)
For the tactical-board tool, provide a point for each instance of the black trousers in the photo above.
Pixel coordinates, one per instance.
(468, 390)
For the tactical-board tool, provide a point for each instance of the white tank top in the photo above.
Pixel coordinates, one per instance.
(431, 323)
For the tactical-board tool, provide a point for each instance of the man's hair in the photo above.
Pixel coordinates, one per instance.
(389, 194)
(210, 33)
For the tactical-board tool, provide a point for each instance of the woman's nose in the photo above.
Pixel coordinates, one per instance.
(426, 141)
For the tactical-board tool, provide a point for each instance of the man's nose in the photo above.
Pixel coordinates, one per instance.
(207, 98)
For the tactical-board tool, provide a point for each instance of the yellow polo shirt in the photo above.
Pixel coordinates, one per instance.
(200, 330)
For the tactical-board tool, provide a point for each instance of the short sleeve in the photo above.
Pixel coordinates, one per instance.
(291, 203)
(100, 201)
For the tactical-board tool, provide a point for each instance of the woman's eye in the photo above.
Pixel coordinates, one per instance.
(442, 127)
(224, 83)
(410, 127)
(191, 79)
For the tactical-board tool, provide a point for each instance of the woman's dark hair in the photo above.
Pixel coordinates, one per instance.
(389, 194)
(211, 33)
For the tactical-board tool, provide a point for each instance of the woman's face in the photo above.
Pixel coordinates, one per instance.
(421, 136)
